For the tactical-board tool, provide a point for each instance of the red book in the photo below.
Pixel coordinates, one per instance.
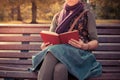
(62, 38)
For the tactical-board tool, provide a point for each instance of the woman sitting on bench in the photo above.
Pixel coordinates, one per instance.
(75, 57)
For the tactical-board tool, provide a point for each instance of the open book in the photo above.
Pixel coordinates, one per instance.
(62, 38)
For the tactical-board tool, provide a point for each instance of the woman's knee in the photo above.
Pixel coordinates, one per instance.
(50, 59)
(60, 72)
(60, 68)
(49, 55)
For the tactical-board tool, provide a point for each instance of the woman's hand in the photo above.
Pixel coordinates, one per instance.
(85, 46)
(78, 44)
(45, 45)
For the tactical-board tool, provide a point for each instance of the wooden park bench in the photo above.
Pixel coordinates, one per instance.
(19, 42)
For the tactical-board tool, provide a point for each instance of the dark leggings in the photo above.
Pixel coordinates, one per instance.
(52, 69)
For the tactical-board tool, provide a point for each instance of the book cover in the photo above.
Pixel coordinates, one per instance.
(62, 38)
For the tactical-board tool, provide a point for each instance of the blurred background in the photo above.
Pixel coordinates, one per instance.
(42, 11)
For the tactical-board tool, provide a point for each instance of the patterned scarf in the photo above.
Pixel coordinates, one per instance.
(66, 16)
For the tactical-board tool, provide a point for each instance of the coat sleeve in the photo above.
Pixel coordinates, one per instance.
(53, 23)
(92, 26)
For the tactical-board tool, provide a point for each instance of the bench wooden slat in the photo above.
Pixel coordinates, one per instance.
(37, 31)
(107, 55)
(26, 66)
(20, 38)
(37, 47)
(109, 39)
(15, 55)
(29, 62)
(108, 48)
(108, 31)
(99, 55)
(111, 69)
(18, 74)
(20, 47)
(15, 62)
(21, 30)
(110, 62)
(13, 68)
(108, 26)
(108, 76)
(38, 39)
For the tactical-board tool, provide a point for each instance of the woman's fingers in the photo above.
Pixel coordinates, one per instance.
(80, 42)
(74, 43)
(45, 45)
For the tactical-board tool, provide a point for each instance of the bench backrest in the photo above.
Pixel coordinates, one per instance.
(27, 38)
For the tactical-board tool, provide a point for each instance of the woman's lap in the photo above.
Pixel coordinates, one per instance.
(80, 63)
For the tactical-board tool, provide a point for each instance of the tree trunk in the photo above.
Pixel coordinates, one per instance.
(19, 17)
(34, 12)
(12, 13)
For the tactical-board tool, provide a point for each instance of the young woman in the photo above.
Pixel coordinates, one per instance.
(76, 57)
